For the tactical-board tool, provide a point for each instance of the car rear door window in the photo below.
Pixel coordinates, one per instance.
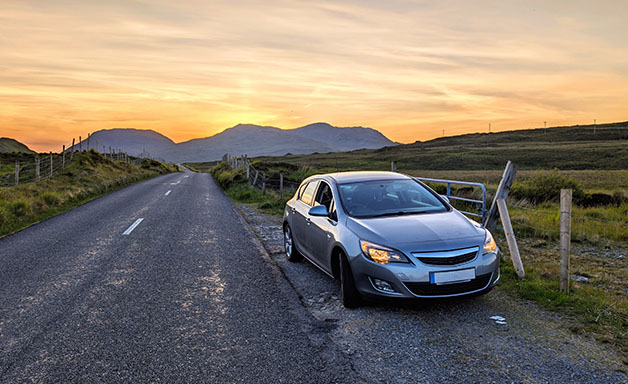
(308, 193)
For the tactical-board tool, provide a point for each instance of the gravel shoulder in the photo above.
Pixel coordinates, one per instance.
(449, 340)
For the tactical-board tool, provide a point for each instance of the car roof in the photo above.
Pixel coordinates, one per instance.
(358, 176)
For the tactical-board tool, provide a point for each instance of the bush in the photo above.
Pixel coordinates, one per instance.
(227, 177)
(545, 187)
(4, 216)
(51, 199)
(18, 208)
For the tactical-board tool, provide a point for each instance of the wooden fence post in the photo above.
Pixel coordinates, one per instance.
(17, 173)
(263, 186)
(72, 151)
(88, 135)
(80, 144)
(490, 221)
(510, 238)
(281, 185)
(51, 165)
(565, 237)
(63, 157)
(37, 168)
(393, 166)
(248, 171)
(255, 179)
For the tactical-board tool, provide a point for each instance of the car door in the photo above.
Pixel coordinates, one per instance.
(318, 235)
(300, 217)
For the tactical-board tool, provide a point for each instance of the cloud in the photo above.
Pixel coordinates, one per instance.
(193, 68)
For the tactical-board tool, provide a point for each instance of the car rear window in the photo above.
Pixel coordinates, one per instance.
(388, 198)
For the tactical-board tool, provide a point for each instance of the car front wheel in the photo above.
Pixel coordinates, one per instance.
(288, 244)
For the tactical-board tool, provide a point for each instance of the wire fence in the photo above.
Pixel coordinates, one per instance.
(22, 168)
(258, 179)
(533, 224)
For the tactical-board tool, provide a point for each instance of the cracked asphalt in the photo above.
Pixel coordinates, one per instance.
(188, 296)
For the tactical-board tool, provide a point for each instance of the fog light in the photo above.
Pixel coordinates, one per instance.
(383, 285)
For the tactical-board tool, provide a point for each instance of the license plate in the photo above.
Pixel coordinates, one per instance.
(452, 276)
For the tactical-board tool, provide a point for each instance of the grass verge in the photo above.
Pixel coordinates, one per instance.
(88, 176)
(235, 185)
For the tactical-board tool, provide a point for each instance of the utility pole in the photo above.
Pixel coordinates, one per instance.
(443, 133)
(544, 127)
(489, 127)
(594, 125)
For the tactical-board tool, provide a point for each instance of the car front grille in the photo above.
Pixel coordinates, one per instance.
(428, 289)
(447, 260)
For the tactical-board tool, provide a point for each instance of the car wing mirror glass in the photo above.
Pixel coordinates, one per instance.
(319, 210)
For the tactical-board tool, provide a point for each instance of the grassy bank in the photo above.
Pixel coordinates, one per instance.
(88, 176)
(235, 185)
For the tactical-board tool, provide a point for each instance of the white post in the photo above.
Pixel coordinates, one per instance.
(510, 238)
(37, 168)
(281, 185)
(393, 166)
(565, 237)
(17, 173)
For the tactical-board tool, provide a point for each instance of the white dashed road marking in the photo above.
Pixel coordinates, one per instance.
(132, 227)
(167, 193)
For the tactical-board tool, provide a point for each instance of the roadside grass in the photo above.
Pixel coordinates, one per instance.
(600, 305)
(88, 176)
(235, 185)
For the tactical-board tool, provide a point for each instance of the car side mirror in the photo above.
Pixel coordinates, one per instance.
(319, 210)
(444, 197)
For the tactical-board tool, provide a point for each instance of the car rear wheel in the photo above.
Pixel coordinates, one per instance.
(350, 296)
(288, 244)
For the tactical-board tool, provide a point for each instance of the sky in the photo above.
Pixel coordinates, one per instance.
(411, 69)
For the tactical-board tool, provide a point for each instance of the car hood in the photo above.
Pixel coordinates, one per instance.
(422, 232)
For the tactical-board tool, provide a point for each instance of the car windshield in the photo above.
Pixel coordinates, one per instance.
(388, 198)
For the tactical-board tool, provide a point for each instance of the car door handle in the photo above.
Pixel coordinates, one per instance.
(308, 221)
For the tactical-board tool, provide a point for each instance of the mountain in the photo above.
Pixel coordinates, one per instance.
(249, 139)
(130, 140)
(255, 140)
(10, 146)
(343, 139)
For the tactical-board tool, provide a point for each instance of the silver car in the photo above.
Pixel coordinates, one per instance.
(384, 234)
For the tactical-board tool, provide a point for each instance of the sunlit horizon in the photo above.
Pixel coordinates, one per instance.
(411, 70)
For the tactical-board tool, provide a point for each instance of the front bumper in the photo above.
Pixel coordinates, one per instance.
(413, 280)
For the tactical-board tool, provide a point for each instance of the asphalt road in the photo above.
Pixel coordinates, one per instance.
(185, 296)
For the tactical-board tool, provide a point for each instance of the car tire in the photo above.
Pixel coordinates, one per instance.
(292, 254)
(350, 296)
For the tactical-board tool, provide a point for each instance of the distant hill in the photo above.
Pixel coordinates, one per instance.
(573, 147)
(255, 140)
(130, 140)
(12, 146)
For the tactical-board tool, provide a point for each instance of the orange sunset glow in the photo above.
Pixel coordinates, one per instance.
(410, 69)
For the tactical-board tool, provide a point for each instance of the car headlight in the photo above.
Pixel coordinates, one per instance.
(381, 254)
(489, 244)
